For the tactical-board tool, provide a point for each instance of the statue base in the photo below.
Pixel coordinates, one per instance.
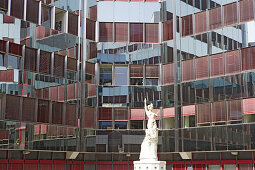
(152, 165)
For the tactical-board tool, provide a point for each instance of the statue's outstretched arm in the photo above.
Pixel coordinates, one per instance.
(145, 106)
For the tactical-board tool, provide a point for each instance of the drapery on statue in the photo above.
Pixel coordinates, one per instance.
(150, 142)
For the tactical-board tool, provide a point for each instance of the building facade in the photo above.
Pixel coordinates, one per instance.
(74, 75)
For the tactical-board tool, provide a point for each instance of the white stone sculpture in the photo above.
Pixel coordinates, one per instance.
(149, 146)
(148, 154)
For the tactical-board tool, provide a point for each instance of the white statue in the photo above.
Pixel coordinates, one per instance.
(149, 146)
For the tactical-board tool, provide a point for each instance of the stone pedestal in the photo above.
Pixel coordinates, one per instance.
(153, 165)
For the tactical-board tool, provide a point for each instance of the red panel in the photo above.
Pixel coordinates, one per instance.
(200, 23)
(92, 50)
(202, 69)
(248, 60)
(120, 167)
(14, 166)
(168, 112)
(91, 25)
(232, 62)
(105, 113)
(77, 167)
(9, 19)
(199, 167)
(92, 90)
(57, 110)
(90, 68)
(45, 62)
(2, 46)
(43, 111)
(188, 110)
(28, 109)
(59, 65)
(93, 13)
(230, 9)
(246, 10)
(71, 95)
(203, 113)
(187, 28)
(88, 118)
(53, 93)
(218, 112)
(151, 33)
(61, 93)
(179, 167)
(104, 167)
(248, 106)
(120, 114)
(44, 166)
(152, 71)
(12, 113)
(136, 71)
(217, 65)
(121, 32)
(28, 166)
(245, 167)
(15, 49)
(168, 73)
(234, 109)
(70, 114)
(137, 114)
(136, 32)
(188, 70)
(3, 166)
(105, 32)
(73, 23)
(58, 166)
(215, 18)
(168, 30)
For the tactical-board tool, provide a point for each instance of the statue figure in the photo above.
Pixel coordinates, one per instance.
(149, 146)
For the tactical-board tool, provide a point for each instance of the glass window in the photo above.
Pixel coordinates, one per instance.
(106, 75)
(1, 59)
(120, 125)
(151, 81)
(121, 75)
(105, 125)
(136, 124)
(13, 62)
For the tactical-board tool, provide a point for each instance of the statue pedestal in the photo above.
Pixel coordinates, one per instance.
(152, 165)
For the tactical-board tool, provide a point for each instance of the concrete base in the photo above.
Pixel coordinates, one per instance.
(154, 165)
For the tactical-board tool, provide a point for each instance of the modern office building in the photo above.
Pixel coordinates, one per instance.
(74, 75)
